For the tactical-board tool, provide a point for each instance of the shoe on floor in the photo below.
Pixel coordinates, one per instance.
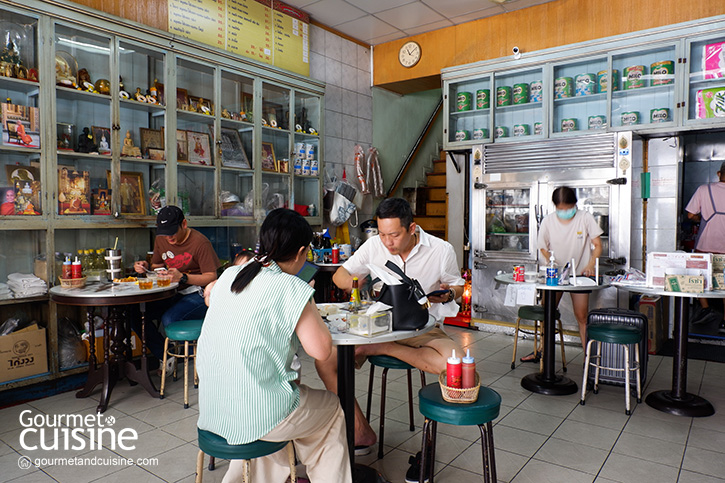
(703, 316)
(533, 357)
(413, 473)
(363, 450)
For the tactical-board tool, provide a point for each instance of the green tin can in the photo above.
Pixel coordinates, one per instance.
(521, 130)
(501, 132)
(463, 135)
(630, 118)
(597, 122)
(483, 99)
(634, 77)
(480, 134)
(603, 82)
(503, 96)
(463, 101)
(538, 129)
(563, 87)
(520, 93)
(661, 114)
(585, 85)
(536, 91)
(662, 72)
(568, 125)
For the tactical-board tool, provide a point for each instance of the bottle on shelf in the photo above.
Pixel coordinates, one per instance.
(355, 301)
(552, 272)
(453, 371)
(468, 371)
(67, 271)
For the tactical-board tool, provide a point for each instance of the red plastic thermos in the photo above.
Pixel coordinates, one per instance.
(335, 253)
(453, 371)
(468, 369)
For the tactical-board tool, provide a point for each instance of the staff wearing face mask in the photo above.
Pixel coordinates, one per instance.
(571, 233)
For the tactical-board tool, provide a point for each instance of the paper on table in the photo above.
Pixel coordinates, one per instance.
(377, 307)
(526, 294)
(383, 274)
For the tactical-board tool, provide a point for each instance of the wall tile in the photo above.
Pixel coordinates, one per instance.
(363, 82)
(349, 53)
(348, 153)
(317, 66)
(317, 40)
(363, 58)
(333, 46)
(333, 150)
(349, 102)
(365, 107)
(365, 131)
(333, 98)
(333, 72)
(333, 124)
(349, 77)
(349, 127)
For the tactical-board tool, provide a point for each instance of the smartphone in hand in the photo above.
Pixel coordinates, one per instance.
(308, 271)
(437, 293)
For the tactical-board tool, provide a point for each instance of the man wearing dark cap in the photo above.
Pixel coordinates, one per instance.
(190, 259)
(707, 206)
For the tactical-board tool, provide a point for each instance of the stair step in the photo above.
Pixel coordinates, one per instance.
(436, 209)
(433, 194)
(431, 223)
(439, 166)
(436, 180)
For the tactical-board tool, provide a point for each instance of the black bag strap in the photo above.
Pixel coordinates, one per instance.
(414, 285)
(398, 271)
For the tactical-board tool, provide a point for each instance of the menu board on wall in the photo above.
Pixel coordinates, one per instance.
(265, 30)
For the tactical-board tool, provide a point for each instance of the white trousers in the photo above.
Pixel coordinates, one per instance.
(317, 429)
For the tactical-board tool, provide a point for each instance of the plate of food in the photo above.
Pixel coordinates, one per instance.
(125, 280)
(330, 308)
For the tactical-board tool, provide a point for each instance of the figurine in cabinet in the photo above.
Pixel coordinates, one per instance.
(225, 114)
(85, 142)
(138, 96)
(84, 81)
(128, 148)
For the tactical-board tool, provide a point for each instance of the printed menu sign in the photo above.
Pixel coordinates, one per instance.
(265, 30)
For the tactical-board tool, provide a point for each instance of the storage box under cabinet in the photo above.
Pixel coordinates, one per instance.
(23, 354)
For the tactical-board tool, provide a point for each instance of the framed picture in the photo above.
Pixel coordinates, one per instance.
(66, 136)
(159, 92)
(133, 199)
(101, 201)
(233, 154)
(247, 106)
(269, 162)
(7, 200)
(74, 192)
(151, 138)
(156, 154)
(182, 147)
(194, 105)
(25, 181)
(102, 139)
(198, 147)
(205, 106)
(182, 99)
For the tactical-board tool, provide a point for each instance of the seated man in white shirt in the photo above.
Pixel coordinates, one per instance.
(421, 256)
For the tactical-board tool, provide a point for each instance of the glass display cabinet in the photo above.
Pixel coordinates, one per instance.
(519, 100)
(705, 94)
(580, 96)
(469, 111)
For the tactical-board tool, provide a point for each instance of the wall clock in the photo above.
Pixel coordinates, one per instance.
(409, 54)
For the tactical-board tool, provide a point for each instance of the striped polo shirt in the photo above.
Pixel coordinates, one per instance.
(244, 354)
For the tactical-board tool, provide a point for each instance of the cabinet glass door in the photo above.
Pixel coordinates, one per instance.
(706, 86)
(580, 96)
(646, 87)
(83, 120)
(519, 100)
(469, 111)
(195, 113)
(276, 148)
(21, 188)
(307, 154)
(508, 219)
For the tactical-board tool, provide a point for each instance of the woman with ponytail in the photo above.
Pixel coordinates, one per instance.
(259, 314)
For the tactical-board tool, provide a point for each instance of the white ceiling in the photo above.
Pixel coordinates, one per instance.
(378, 21)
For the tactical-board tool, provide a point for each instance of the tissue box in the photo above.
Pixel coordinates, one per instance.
(685, 283)
(370, 325)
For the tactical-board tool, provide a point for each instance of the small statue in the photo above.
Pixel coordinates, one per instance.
(138, 96)
(128, 148)
(84, 81)
(225, 114)
(85, 142)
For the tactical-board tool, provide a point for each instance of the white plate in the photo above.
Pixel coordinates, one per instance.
(584, 282)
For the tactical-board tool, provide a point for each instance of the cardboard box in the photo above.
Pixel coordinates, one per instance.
(657, 321)
(23, 354)
(661, 264)
(135, 346)
(685, 283)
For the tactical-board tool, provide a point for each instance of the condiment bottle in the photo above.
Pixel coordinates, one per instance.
(453, 371)
(355, 302)
(67, 271)
(335, 253)
(468, 370)
(552, 273)
(76, 269)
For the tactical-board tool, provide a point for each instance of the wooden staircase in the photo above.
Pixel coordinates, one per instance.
(430, 202)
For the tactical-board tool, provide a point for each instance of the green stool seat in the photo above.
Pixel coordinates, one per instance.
(534, 312)
(537, 314)
(614, 334)
(388, 362)
(184, 330)
(480, 413)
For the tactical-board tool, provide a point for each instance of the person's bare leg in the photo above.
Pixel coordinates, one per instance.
(580, 303)
(327, 370)
(429, 358)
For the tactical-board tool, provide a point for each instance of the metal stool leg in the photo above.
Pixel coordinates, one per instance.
(561, 341)
(370, 391)
(516, 341)
(586, 371)
(381, 432)
(410, 400)
(598, 366)
(163, 368)
(638, 373)
(186, 374)
(424, 463)
(199, 466)
(626, 381)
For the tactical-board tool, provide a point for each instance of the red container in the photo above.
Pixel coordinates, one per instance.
(519, 272)
(454, 371)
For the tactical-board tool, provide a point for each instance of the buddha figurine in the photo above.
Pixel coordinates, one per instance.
(85, 142)
(128, 148)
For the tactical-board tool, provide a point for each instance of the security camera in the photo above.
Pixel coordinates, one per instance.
(515, 50)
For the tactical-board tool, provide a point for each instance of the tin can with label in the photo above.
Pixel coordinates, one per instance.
(597, 122)
(586, 85)
(463, 101)
(662, 72)
(536, 91)
(480, 133)
(314, 167)
(300, 149)
(563, 87)
(483, 99)
(463, 135)
(519, 273)
(634, 77)
(568, 125)
(538, 128)
(297, 165)
(520, 93)
(501, 132)
(521, 130)
(310, 151)
(630, 118)
(503, 96)
(305, 167)
(603, 80)
(661, 114)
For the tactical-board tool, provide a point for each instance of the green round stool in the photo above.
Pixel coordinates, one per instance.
(535, 313)
(186, 331)
(480, 413)
(387, 362)
(623, 335)
(217, 447)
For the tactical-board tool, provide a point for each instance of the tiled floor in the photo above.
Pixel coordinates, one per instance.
(538, 438)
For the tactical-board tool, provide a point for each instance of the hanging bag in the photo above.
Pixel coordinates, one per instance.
(408, 313)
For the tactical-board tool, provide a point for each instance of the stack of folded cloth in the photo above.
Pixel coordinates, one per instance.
(26, 285)
(5, 292)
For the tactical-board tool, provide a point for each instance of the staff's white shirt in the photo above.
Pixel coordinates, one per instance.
(432, 261)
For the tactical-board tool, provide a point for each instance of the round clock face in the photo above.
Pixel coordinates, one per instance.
(409, 54)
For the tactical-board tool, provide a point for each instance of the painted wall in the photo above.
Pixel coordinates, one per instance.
(552, 24)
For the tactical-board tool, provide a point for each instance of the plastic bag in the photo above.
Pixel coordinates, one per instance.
(9, 326)
(359, 158)
(374, 175)
(71, 351)
(157, 195)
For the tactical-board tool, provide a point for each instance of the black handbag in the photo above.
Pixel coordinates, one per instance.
(408, 314)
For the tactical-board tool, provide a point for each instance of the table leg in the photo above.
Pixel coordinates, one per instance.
(95, 375)
(678, 401)
(547, 382)
(141, 375)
